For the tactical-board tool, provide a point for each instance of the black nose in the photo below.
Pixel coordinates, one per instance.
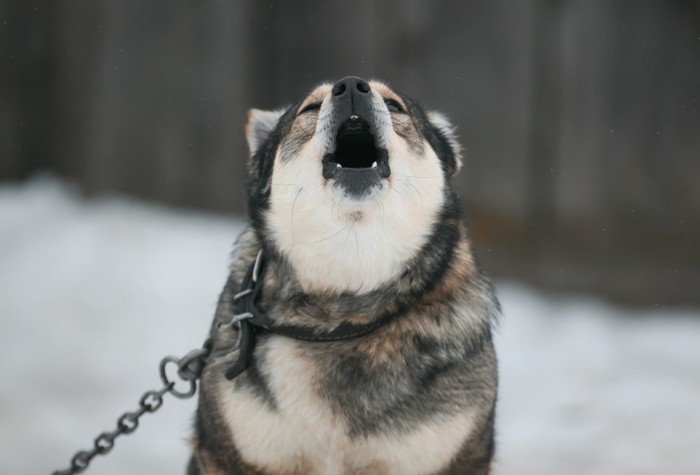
(351, 98)
(350, 85)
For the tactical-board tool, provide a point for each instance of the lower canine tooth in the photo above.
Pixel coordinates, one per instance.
(338, 165)
(374, 165)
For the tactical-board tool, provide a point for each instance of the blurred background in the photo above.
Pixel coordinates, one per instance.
(581, 126)
(580, 119)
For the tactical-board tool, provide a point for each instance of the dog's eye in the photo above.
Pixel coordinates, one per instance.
(314, 106)
(393, 106)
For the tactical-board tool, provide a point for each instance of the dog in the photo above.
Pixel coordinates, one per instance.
(375, 353)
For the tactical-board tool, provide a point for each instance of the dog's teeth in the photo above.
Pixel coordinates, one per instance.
(374, 164)
(354, 117)
(338, 165)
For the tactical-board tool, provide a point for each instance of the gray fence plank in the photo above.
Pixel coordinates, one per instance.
(579, 117)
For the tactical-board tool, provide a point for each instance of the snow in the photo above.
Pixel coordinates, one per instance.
(95, 292)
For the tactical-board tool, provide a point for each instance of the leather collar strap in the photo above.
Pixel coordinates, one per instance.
(251, 320)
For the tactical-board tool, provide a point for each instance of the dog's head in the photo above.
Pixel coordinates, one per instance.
(348, 183)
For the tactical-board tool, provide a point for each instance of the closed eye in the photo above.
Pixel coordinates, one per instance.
(393, 106)
(314, 106)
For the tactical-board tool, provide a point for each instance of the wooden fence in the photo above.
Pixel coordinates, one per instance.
(579, 117)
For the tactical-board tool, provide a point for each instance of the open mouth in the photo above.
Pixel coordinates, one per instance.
(356, 153)
(355, 145)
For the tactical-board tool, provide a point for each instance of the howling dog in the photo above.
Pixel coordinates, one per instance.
(354, 333)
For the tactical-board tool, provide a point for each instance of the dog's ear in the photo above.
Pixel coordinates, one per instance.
(260, 124)
(447, 130)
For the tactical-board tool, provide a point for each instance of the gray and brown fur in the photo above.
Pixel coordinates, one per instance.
(433, 366)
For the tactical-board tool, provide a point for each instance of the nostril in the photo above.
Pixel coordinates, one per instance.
(338, 89)
(363, 87)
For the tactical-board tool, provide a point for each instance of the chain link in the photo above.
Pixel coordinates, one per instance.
(189, 369)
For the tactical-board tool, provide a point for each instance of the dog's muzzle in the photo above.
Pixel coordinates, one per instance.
(358, 163)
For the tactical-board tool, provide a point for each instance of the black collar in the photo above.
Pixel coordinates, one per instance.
(251, 320)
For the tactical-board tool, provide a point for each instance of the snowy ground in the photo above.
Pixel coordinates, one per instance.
(94, 293)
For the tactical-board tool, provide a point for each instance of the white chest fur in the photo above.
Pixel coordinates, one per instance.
(302, 435)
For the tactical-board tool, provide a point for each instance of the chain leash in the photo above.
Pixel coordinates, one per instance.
(189, 369)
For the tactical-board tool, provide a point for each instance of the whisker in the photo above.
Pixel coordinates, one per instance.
(400, 192)
(334, 211)
(380, 209)
(357, 243)
(419, 194)
(291, 217)
(327, 238)
(346, 238)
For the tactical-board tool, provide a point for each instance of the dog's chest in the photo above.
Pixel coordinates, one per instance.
(301, 434)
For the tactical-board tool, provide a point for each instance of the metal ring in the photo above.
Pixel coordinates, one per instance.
(171, 384)
(240, 316)
(242, 294)
(192, 356)
(191, 365)
(256, 267)
(239, 337)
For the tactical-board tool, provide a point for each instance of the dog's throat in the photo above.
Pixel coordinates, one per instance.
(355, 145)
